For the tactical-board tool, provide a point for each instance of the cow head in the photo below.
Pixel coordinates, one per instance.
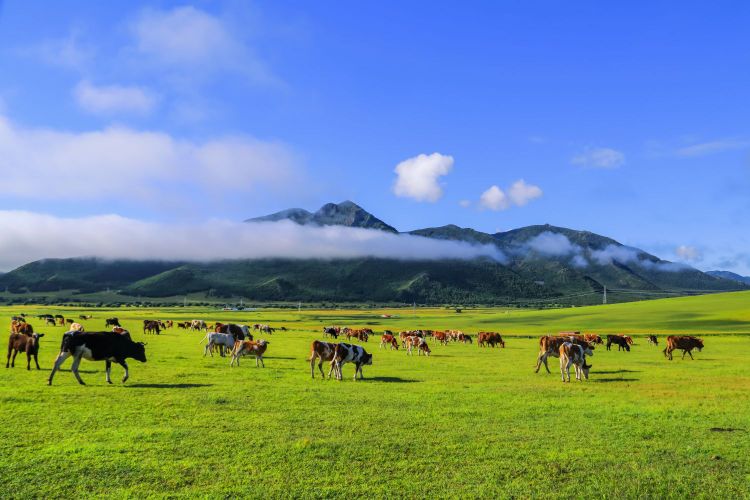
(367, 359)
(139, 352)
(699, 344)
(585, 369)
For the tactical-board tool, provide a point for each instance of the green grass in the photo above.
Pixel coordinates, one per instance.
(466, 422)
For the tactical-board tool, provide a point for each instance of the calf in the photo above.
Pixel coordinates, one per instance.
(685, 343)
(321, 351)
(27, 343)
(620, 340)
(98, 346)
(249, 347)
(573, 354)
(653, 340)
(550, 346)
(348, 353)
(388, 339)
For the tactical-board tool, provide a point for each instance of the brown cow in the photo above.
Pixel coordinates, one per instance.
(21, 327)
(419, 343)
(441, 337)
(686, 343)
(389, 339)
(321, 351)
(362, 334)
(491, 339)
(573, 354)
(249, 348)
(27, 343)
(151, 326)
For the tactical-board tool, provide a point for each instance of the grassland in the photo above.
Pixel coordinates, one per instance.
(466, 422)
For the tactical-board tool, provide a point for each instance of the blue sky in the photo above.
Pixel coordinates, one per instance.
(628, 120)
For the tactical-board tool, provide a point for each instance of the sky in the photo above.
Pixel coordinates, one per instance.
(628, 120)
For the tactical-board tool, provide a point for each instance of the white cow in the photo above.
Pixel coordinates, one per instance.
(573, 354)
(224, 341)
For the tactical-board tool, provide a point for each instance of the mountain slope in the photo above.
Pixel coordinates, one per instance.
(728, 275)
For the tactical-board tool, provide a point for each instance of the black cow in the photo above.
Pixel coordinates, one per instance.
(99, 346)
(619, 340)
(112, 322)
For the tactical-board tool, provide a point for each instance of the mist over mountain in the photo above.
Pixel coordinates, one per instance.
(533, 265)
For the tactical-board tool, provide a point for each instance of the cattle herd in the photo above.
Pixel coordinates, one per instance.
(235, 340)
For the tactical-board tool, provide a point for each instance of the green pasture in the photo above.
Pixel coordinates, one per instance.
(465, 422)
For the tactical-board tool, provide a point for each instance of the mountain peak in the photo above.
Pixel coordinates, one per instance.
(347, 213)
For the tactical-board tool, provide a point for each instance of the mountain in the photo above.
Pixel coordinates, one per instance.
(346, 213)
(539, 264)
(729, 275)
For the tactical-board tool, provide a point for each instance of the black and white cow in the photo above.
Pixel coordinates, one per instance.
(348, 353)
(98, 346)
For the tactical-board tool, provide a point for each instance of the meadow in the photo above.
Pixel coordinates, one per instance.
(465, 422)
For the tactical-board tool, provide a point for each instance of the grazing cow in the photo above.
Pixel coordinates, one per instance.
(491, 339)
(27, 343)
(183, 324)
(198, 324)
(111, 322)
(69, 321)
(573, 354)
(441, 337)
(321, 351)
(620, 340)
(653, 340)
(150, 326)
(249, 348)
(85, 316)
(50, 322)
(362, 334)
(593, 338)
(76, 327)
(550, 346)
(388, 339)
(267, 329)
(348, 353)
(224, 341)
(329, 331)
(99, 346)
(686, 343)
(466, 339)
(419, 343)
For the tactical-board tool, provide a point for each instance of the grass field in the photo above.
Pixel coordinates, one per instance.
(466, 422)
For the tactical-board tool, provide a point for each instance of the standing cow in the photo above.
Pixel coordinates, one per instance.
(348, 353)
(27, 343)
(686, 343)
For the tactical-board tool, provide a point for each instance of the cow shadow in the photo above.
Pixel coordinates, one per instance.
(168, 386)
(394, 380)
(613, 372)
(609, 380)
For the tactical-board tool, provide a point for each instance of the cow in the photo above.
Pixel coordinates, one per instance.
(419, 343)
(111, 322)
(27, 343)
(653, 340)
(85, 316)
(686, 343)
(331, 331)
(251, 348)
(224, 341)
(99, 346)
(168, 324)
(593, 338)
(362, 334)
(198, 324)
(61, 319)
(76, 327)
(465, 338)
(491, 339)
(549, 345)
(267, 329)
(620, 340)
(69, 321)
(238, 332)
(441, 337)
(50, 322)
(573, 354)
(321, 351)
(388, 339)
(21, 327)
(151, 326)
(347, 353)
(184, 325)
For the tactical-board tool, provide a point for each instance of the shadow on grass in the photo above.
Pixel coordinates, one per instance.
(395, 380)
(613, 372)
(609, 380)
(168, 386)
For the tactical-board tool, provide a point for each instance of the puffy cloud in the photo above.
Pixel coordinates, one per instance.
(599, 158)
(417, 177)
(116, 160)
(688, 253)
(192, 40)
(113, 98)
(555, 244)
(629, 255)
(26, 236)
(519, 194)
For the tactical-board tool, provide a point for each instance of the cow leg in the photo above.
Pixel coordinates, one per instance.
(562, 370)
(58, 362)
(691, 354)
(320, 367)
(330, 370)
(312, 367)
(109, 370)
(124, 365)
(74, 368)
(7, 361)
(262, 364)
(357, 367)
(13, 360)
(28, 360)
(36, 360)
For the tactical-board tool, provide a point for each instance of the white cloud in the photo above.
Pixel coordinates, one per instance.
(554, 244)
(688, 253)
(629, 255)
(465, 203)
(519, 194)
(417, 177)
(599, 158)
(192, 40)
(26, 236)
(711, 147)
(128, 163)
(113, 98)
(494, 199)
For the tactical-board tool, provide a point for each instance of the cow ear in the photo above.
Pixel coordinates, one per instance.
(41, 335)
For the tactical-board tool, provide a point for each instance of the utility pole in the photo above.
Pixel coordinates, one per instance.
(604, 299)
(299, 307)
